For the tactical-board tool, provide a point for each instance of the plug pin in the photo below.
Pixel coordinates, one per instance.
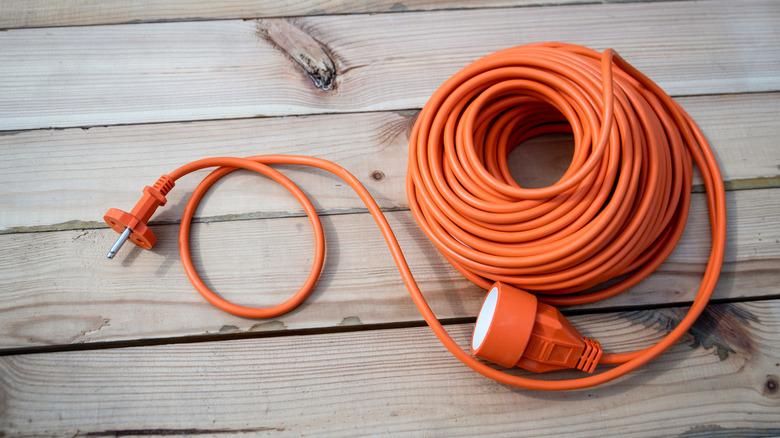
(118, 244)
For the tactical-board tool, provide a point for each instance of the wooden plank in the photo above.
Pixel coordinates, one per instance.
(66, 179)
(43, 13)
(79, 76)
(57, 288)
(721, 382)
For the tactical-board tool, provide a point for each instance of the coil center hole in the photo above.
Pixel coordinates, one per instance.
(541, 161)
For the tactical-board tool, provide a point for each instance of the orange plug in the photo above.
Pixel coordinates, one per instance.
(133, 225)
(514, 329)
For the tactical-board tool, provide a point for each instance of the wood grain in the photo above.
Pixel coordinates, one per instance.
(368, 73)
(722, 381)
(66, 179)
(96, 75)
(40, 13)
(57, 288)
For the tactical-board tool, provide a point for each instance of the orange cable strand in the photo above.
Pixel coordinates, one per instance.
(615, 215)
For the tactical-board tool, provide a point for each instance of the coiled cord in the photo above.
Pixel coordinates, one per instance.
(614, 216)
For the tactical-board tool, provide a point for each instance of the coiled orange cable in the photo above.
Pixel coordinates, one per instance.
(616, 214)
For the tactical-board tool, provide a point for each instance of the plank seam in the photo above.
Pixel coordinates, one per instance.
(194, 339)
(315, 114)
(541, 4)
(760, 183)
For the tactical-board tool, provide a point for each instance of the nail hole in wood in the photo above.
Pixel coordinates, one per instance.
(770, 386)
(377, 175)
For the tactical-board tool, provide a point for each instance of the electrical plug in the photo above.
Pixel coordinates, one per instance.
(132, 225)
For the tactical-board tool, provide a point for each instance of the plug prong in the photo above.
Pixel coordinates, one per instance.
(118, 244)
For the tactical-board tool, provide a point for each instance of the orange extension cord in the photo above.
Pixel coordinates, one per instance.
(616, 214)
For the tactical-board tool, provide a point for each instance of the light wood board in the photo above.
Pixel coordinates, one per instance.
(58, 288)
(66, 179)
(40, 13)
(95, 75)
(721, 381)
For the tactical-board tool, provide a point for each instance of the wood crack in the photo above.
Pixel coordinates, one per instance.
(175, 432)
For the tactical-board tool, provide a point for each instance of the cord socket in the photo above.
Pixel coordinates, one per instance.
(513, 329)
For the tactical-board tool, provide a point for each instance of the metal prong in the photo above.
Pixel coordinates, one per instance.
(118, 244)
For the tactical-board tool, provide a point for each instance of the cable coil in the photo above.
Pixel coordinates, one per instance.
(614, 216)
(619, 209)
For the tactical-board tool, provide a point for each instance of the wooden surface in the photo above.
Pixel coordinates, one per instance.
(742, 127)
(145, 295)
(153, 72)
(722, 381)
(41, 13)
(100, 98)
